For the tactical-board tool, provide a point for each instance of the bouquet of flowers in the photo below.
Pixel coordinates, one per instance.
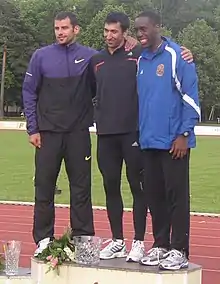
(58, 251)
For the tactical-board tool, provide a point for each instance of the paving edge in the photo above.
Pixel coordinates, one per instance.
(99, 208)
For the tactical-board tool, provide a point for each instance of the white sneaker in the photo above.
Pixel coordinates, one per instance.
(41, 246)
(137, 251)
(154, 256)
(115, 249)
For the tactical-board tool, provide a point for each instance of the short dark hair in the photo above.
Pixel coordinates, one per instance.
(152, 15)
(63, 15)
(118, 17)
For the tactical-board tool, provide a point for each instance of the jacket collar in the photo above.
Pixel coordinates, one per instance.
(148, 54)
(117, 51)
(71, 46)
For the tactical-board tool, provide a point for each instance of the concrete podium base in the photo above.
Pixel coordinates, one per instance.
(23, 277)
(115, 271)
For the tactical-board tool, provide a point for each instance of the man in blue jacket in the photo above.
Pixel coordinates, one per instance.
(116, 113)
(168, 112)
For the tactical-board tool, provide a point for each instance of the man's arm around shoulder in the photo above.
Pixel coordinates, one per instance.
(92, 78)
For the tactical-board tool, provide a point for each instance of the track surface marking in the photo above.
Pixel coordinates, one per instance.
(16, 223)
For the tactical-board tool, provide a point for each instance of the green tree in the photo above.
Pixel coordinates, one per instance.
(87, 10)
(134, 7)
(177, 14)
(15, 34)
(39, 15)
(166, 32)
(216, 19)
(204, 43)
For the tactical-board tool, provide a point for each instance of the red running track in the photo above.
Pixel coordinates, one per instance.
(16, 223)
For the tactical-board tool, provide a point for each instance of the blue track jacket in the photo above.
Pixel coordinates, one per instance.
(168, 97)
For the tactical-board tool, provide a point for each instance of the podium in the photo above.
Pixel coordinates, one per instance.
(115, 271)
(23, 277)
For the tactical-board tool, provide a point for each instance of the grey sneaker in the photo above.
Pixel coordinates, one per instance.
(174, 260)
(154, 256)
(115, 249)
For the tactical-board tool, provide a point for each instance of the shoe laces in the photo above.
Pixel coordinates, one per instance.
(173, 254)
(111, 244)
(137, 246)
(155, 252)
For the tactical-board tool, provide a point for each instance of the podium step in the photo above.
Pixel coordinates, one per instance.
(23, 277)
(115, 271)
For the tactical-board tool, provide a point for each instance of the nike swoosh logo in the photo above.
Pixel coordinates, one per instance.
(78, 61)
(87, 158)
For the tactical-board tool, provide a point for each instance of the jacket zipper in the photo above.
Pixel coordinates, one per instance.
(67, 62)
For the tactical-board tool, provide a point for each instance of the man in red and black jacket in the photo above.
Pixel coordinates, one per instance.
(116, 114)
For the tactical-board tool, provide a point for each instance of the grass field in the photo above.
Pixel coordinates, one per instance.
(16, 173)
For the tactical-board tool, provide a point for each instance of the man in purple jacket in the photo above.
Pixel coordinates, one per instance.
(59, 111)
(57, 99)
